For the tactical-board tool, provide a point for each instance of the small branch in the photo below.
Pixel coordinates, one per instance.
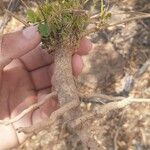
(22, 1)
(26, 111)
(96, 16)
(132, 19)
(106, 108)
(74, 124)
(95, 29)
(54, 117)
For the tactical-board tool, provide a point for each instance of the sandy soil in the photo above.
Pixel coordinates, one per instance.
(117, 56)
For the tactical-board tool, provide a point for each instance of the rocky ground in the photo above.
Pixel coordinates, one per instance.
(118, 56)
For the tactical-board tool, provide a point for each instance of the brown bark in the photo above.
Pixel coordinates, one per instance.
(64, 85)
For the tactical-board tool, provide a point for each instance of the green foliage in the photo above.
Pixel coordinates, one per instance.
(62, 20)
(44, 30)
(59, 20)
(32, 16)
(104, 13)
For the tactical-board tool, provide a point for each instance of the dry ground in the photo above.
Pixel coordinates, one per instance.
(117, 56)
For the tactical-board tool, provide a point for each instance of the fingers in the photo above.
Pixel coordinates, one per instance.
(19, 43)
(4, 61)
(41, 65)
(77, 64)
(42, 77)
(84, 47)
(47, 108)
(38, 57)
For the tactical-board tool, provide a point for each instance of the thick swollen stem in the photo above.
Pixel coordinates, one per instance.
(64, 81)
(65, 86)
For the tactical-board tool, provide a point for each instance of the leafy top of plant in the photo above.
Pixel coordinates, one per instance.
(60, 20)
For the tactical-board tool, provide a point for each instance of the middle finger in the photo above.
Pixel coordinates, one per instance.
(38, 57)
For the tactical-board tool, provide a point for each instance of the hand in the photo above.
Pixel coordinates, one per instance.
(25, 78)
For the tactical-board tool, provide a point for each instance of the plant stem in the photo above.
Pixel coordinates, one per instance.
(64, 81)
(65, 86)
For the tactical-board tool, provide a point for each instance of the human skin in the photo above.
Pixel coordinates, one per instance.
(26, 71)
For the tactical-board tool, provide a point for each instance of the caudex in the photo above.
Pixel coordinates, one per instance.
(62, 24)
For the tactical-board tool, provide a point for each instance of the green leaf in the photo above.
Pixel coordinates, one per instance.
(32, 16)
(44, 30)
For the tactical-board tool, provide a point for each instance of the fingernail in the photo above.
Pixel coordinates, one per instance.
(30, 32)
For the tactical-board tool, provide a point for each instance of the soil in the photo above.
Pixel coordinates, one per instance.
(117, 56)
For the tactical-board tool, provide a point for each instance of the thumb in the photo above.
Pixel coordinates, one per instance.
(16, 44)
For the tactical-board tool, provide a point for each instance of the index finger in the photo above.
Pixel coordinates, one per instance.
(19, 43)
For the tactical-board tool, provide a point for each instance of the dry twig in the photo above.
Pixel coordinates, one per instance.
(54, 117)
(106, 108)
(11, 7)
(96, 29)
(74, 124)
(26, 111)
(17, 17)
